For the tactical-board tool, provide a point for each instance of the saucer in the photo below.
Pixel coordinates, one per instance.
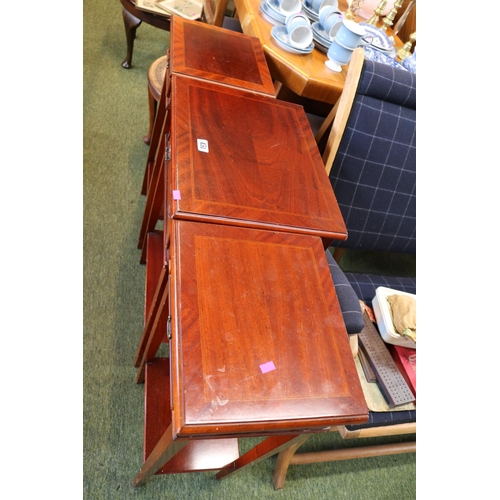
(313, 16)
(280, 35)
(381, 57)
(321, 33)
(380, 40)
(320, 46)
(270, 14)
(272, 4)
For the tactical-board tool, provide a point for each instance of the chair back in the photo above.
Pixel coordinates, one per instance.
(214, 11)
(373, 173)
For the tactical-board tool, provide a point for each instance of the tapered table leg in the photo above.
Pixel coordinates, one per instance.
(161, 454)
(131, 24)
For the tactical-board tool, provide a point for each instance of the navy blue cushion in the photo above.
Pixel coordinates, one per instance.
(386, 83)
(379, 419)
(365, 285)
(349, 303)
(374, 172)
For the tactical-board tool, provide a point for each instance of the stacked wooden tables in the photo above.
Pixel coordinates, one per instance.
(237, 280)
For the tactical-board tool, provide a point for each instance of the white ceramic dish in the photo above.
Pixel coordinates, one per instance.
(271, 15)
(383, 315)
(377, 56)
(280, 36)
(380, 40)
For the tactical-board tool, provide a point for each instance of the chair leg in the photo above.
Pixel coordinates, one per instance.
(283, 461)
(131, 24)
(152, 113)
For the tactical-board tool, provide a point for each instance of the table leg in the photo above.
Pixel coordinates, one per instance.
(131, 24)
(166, 448)
(154, 202)
(153, 336)
(155, 309)
(265, 449)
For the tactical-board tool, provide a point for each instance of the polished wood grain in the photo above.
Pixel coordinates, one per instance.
(243, 298)
(263, 168)
(219, 55)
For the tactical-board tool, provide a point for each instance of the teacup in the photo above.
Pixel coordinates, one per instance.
(350, 34)
(338, 56)
(288, 7)
(330, 20)
(299, 30)
(317, 5)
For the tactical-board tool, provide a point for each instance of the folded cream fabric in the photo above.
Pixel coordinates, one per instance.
(404, 315)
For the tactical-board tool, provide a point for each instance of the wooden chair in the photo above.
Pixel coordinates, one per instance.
(365, 111)
(213, 13)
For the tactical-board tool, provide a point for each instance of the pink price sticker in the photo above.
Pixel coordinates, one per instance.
(176, 194)
(267, 367)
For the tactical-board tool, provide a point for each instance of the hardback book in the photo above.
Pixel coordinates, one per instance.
(189, 9)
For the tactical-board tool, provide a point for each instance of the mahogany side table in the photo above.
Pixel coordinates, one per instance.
(258, 347)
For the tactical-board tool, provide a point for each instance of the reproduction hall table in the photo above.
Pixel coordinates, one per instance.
(237, 280)
(258, 347)
(304, 74)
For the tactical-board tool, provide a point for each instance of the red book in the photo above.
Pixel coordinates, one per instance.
(406, 360)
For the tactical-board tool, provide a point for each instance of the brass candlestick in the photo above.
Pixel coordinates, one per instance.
(353, 9)
(387, 21)
(378, 11)
(404, 51)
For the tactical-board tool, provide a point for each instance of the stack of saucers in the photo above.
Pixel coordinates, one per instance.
(272, 13)
(321, 38)
(313, 16)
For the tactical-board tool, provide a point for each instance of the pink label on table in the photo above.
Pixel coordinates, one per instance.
(176, 194)
(267, 367)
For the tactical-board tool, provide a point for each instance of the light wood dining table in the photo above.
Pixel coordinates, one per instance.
(304, 74)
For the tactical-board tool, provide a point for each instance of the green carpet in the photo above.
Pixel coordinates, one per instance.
(115, 120)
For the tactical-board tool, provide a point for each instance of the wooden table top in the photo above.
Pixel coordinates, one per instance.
(305, 74)
(259, 165)
(258, 341)
(219, 55)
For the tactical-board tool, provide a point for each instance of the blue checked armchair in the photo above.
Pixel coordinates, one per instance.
(370, 158)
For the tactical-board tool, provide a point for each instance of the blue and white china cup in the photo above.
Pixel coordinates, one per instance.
(317, 5)
(299, 30)
(330, 20)
(350, 34)
(288, 7)
(338, 56)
